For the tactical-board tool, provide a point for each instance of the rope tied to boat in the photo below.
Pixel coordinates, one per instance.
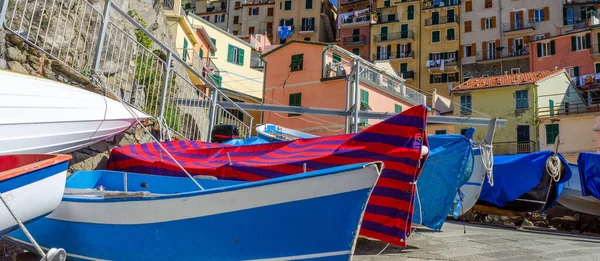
(487, 157)
(554, 167)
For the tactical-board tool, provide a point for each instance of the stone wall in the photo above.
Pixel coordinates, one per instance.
(494, 68)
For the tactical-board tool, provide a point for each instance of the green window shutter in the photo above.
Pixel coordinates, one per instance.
(230, 50)
(411, 12)
(217, 79)
(456, 77)
(240, 56)
(552, 130)
(297, 62)
(288, 5)
(444, 77)
(397, 108)
(588, 41)
(597, 68)
(201, 54)
(185, 46)
(214, 41)
(431, 78)
(295, 100)
(576, 71)
(337, 58)
(364, 96)
(551, 107)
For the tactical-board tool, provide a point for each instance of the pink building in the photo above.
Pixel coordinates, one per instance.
(577, 52)
(354, 21)
(313, 74)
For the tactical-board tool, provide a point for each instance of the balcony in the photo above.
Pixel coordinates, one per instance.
(503, 55)
(306, 28)
(429, 4)
(387, 18)
(410, 75)
(257, 2)
(514, 147)
(567, 109)
(403, 35)
(580, 2)
(353, 21)
(448, 58)
(441, 20)
(350, 2)
(354, 40)
(394, 55)
(521, 26)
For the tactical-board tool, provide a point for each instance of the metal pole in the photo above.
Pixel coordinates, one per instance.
(250, 130)
(3, 8)
(100, 45)
(213, 108)
(25, 231)
(356, 92)
(165, 86)
(346, 119)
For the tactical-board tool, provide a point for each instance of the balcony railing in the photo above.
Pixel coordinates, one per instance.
(441, 20)
(439, 3)
(354, 40)
(569, 109)
(438, 63)
(514, 147)
(387, 18)
(347, 2)
(190, 56)
(254, 2)
(306, 28)
(408, 75)
(578, 2)
(395, 36)
(168, 4)
(355, 21)
(520, 25)
(394, 55)
(481, 56)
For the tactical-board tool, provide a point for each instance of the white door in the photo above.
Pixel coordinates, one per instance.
(519, 48)
(491, 50)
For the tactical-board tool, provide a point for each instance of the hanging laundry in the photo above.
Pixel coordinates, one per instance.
(284, 32)
(442, 65)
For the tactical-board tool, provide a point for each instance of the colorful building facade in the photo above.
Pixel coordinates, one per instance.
(518, 98)
(315, 74)
(354, 24)
(304, 20)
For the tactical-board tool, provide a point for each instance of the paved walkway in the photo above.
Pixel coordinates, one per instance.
(483, 243)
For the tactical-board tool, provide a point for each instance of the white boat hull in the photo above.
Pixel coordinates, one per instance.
(572, 198)
(43, 116)
(472, 188)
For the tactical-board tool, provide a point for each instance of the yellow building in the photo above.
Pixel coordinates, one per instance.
(518, 98)
(256, 18)
(310, 20)
(394, 37)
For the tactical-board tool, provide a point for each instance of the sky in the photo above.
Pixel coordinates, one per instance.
(334, 2)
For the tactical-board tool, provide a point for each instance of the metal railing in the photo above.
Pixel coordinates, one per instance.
(112, 49)
(408, 75)
(441, 20)
(347, 2)
(514, 147)
(567, 109)
(190, 56)
(354, 40)
(169, 4)
(438, 63)
(481, 56)
(520, 25)
(381, 19)
(355, 21)
(439, 3)
(394, 55)
(394, 36)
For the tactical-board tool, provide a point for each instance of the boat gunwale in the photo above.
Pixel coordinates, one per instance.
(31, 167)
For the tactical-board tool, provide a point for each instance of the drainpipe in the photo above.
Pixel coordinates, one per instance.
(356, 88)
(501, 35)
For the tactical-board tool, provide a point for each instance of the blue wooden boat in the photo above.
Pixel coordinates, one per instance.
(581, 192)
(272, 132)
(107, 215)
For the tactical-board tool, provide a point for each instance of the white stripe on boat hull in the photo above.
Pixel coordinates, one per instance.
(163, 209)
(319, 255)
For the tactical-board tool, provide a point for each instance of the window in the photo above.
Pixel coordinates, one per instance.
(253, 11)
(364, 105)
(468, 6)
(308, 24)
(403, 67)
(236, 19)
(435, 36)
(580, 42)
(437, 78)
(491, 50)
(337, 58)
(397, 108)
(235, 55)
(468, 26)
(295, 100)
(235, 32)
(441, 132)
(597, 66)
(463, 131)
(546, 49)
(569, 16)
(297, 62)
(538, 15)
(269, 28)
(270, 11)
(386, 3)
(307, 39)
(487, 23)
(356, 51)
(573, 71)
(488, 3)
(287, 5)
(522, 99)
(515, 70)
(251, 30)
(309, 4)
(214, 41)
(538, 37)
(410, 12)
(238, 4)
(552, 131)
(452, 77)
(450, 34)
(468, 51)
(220, 18)
(465, 105)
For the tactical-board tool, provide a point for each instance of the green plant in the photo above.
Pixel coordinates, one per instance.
(140, 36)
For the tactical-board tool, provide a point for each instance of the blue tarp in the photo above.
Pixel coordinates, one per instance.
(589, 170)
(515, 175)
(248, 141)
(448, 167)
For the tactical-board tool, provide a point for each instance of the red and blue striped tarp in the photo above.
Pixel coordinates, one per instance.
(396, 141)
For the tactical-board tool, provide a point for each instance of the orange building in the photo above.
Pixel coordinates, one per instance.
(313, 74)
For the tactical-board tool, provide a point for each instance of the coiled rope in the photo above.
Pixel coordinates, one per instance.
(487, 157)
(554, 167)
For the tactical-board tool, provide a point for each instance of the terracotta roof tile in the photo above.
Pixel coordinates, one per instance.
(507, 80)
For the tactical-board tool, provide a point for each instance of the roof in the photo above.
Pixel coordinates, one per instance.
(527, 78)
(209, 24)
(289, 43)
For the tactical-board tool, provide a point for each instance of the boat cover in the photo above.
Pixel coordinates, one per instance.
(515, 175)
(589, 170)
(397, 142)
(248, 141)
(448, 167)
